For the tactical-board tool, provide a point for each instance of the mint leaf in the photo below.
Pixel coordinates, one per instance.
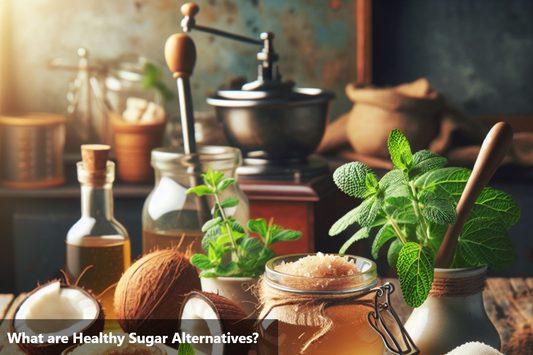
(258, 226)
(230, 201)
(485, 241)
(200, 190)
(202, 262)
(444, 183)
(211, 223)
(224, 184)
(361, 234)
(436, 234)
(211, 236)
(214, 252)
(400, 150)
(415, 270)
(371, 183)
(384, 234)
(286, 235)
(251, 245)
(496, 204)
(207, 274)
(424, 161)
(394, 184)
(380, 219)
(185, 348)
(345, 221)
(225, 238)
(229, 270)
(369, 211)
(394, 251)
(212, 177)
(400, 209)
(237, 227)
(440, 211)
(364, 214)
(351, 178)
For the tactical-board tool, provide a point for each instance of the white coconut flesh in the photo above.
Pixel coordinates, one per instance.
(69, 309)
(193, 321)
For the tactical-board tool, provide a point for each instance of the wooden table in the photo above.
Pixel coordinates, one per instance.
(509, 303)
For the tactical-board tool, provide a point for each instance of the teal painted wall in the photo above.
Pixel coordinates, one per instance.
(315, 38)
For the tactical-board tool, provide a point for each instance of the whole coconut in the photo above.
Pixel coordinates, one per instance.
(149, 295)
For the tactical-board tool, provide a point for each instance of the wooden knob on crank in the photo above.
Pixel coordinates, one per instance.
(190, 9)
(180, 54)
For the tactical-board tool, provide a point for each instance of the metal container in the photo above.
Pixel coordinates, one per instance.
(275, 126)
(31, 153)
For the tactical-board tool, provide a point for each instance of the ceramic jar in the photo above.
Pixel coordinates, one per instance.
(455, 317)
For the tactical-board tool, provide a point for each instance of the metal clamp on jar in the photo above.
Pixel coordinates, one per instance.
(291, 121)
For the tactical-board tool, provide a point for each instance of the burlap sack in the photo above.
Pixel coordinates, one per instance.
(425, 118)
(412, 108)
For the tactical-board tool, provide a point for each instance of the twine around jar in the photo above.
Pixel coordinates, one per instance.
(306, 309)
(458, 287)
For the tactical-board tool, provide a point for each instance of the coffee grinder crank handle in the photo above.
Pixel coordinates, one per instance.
(267, 56)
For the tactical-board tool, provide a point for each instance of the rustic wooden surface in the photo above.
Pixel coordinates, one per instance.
(508, 301)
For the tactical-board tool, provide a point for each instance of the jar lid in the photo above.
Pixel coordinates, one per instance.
(215, 157)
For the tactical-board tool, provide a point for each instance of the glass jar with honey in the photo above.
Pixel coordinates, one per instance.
(327, 304)
(171, 218)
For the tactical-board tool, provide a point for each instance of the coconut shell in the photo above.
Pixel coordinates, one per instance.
(149, 295)
(232, 319)
(95, 328)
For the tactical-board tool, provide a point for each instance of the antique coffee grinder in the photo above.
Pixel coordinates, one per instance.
(277, 126)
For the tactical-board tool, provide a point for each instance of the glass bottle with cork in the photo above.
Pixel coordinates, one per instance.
(97, 246)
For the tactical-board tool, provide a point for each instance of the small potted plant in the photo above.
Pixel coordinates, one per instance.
(233, 259)
(413, 205)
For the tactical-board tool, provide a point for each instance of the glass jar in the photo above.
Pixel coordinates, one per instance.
(125, 79)
(173, 218)
(338, 307)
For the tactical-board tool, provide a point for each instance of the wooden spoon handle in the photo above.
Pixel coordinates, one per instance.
(494, 149)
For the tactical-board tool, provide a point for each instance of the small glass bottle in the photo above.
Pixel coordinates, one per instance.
(97, 246)
(173, 218)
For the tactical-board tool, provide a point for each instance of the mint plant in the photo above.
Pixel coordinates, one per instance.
(413, 205)
(224, 235)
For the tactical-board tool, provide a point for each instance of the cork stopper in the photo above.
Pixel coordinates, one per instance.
(94, 156)
(94, 165)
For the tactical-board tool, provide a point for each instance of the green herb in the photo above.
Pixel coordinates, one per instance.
(153, 78)
(185, 349)
(413, 205)
(224, 235)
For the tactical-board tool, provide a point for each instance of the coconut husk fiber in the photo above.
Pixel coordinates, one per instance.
(426, 119)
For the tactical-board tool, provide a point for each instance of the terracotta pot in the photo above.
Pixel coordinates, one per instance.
(443, 323)
(236, 289)
(133, 144)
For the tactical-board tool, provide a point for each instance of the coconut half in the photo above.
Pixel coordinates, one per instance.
(205, 313)
(55, 309)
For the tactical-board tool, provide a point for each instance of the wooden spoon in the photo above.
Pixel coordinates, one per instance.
(494, 149)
